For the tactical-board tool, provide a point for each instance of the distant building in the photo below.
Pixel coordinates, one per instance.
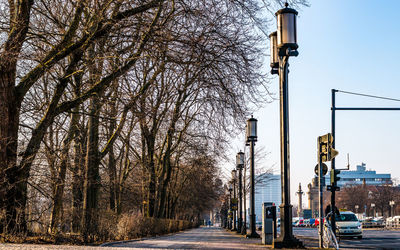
(313, 197)
(361, 175)
(267, 189)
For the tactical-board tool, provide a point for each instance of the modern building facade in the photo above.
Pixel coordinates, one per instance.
(361, 176)
(267, 189)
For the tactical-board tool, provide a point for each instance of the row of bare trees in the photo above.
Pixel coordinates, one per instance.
(121, 105)
(365, 195)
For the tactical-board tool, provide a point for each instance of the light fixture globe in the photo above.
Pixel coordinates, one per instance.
(239, 160)
(234, 174)
(287, 28)
(251, 129)
(274, 50)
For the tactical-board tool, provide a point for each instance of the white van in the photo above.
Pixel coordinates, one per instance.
(348, 225)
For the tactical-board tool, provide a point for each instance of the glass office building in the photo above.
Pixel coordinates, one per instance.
(361, 175)
(267, 189)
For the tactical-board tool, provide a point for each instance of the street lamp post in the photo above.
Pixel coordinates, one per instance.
(283, 45)
(251, 133)
(239, 166)
(391, 203)
(373, 210)
(234, 209)
(230, 206)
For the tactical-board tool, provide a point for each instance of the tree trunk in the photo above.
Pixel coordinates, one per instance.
(60, 181)
(112, 169)
(12, 178)
(77, 182)
(92, 182)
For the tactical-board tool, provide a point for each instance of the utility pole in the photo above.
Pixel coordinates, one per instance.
(334, 186)
(326, 152)
(333, 189)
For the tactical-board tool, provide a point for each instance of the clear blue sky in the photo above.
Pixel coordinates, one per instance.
(348, 45)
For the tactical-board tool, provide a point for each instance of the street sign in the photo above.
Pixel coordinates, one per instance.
(269, 213)
(234, 204)
(329, 188)
(324, 169)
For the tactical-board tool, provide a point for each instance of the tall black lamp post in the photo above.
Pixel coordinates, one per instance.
(251, 133)
(239, 166)
(230, 206)
(235, 203)
(283, 45)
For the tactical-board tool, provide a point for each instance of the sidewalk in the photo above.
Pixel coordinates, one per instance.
(198, 238)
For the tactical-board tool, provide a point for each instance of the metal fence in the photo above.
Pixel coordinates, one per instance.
(393, 222)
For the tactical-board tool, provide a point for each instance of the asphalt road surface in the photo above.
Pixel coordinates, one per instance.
(372, 239)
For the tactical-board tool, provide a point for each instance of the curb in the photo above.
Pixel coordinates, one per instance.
(121, 241)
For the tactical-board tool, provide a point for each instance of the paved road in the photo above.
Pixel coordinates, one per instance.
(372, 239)
(199, 238)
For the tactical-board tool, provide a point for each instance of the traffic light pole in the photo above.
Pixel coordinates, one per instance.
(321, 200)
(333, 188)
(333, 109)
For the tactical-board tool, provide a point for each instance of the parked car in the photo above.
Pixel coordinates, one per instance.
(300, 223)
(379, 222)
(369, 222)
(348, 225)
(316, 222)
(312, 222)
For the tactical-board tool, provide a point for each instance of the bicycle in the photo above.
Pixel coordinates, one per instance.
(329, 237)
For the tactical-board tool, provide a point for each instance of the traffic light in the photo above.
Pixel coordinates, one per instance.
(325, 150)
(334, 176)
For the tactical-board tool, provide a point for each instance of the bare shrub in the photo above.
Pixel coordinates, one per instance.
(106, 226)
(134, 225)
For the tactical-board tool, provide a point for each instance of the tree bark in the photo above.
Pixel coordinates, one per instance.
(92, 183)
(13, 179)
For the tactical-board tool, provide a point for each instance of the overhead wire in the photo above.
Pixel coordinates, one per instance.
(372, 96)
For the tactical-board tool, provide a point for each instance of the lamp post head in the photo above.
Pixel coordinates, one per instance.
(287, 28)
(274, 53)
(251, 129)
(234, 175)
(239, 160)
